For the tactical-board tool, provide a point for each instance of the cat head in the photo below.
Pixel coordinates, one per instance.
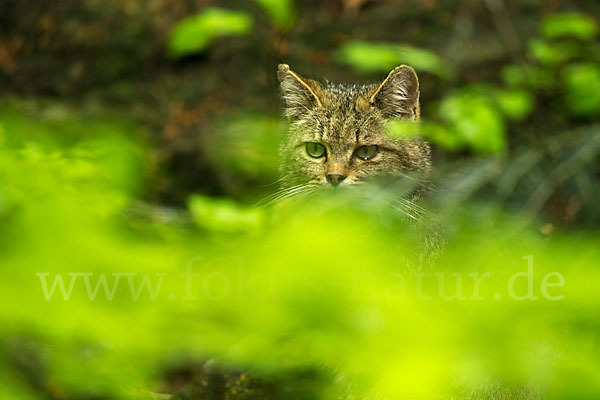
(337, 132)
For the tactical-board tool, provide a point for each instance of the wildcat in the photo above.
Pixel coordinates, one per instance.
(337, 131)
(337, 137)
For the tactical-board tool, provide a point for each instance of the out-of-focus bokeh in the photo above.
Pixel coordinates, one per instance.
(138, 140)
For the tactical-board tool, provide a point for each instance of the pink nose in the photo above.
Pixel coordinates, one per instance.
(335, 179)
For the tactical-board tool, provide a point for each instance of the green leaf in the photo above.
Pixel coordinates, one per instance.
(223, 215)
(442, 135)
(369, 57)
(194, 34)
(551, 53)
(582, 84)
(515, 103)
(574, 25)
(281, 12)
(472, 121)
(477, 124)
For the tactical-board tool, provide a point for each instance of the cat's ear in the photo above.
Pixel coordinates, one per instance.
(300, 94)
(398, 94)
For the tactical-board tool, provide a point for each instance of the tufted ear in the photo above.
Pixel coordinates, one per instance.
(300, 94)
(398, 94)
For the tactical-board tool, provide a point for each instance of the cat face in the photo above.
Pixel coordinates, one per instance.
(337, 134)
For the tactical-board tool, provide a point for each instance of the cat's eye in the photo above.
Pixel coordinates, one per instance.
(366, 152)
(315, 150)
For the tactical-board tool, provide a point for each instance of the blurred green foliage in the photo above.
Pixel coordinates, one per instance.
(383, 57)
(516, 104)
(474, 122)
(476, 116)
(224, 215)
(329, 285)
(282, 12)
(570, 25)
(131, 176)
(195, 33)
(473, 118)
(582, 82)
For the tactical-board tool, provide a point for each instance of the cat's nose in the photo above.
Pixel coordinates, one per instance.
(335, 179)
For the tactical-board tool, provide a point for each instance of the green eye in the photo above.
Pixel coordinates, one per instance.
(366, 152)
(315, 150)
